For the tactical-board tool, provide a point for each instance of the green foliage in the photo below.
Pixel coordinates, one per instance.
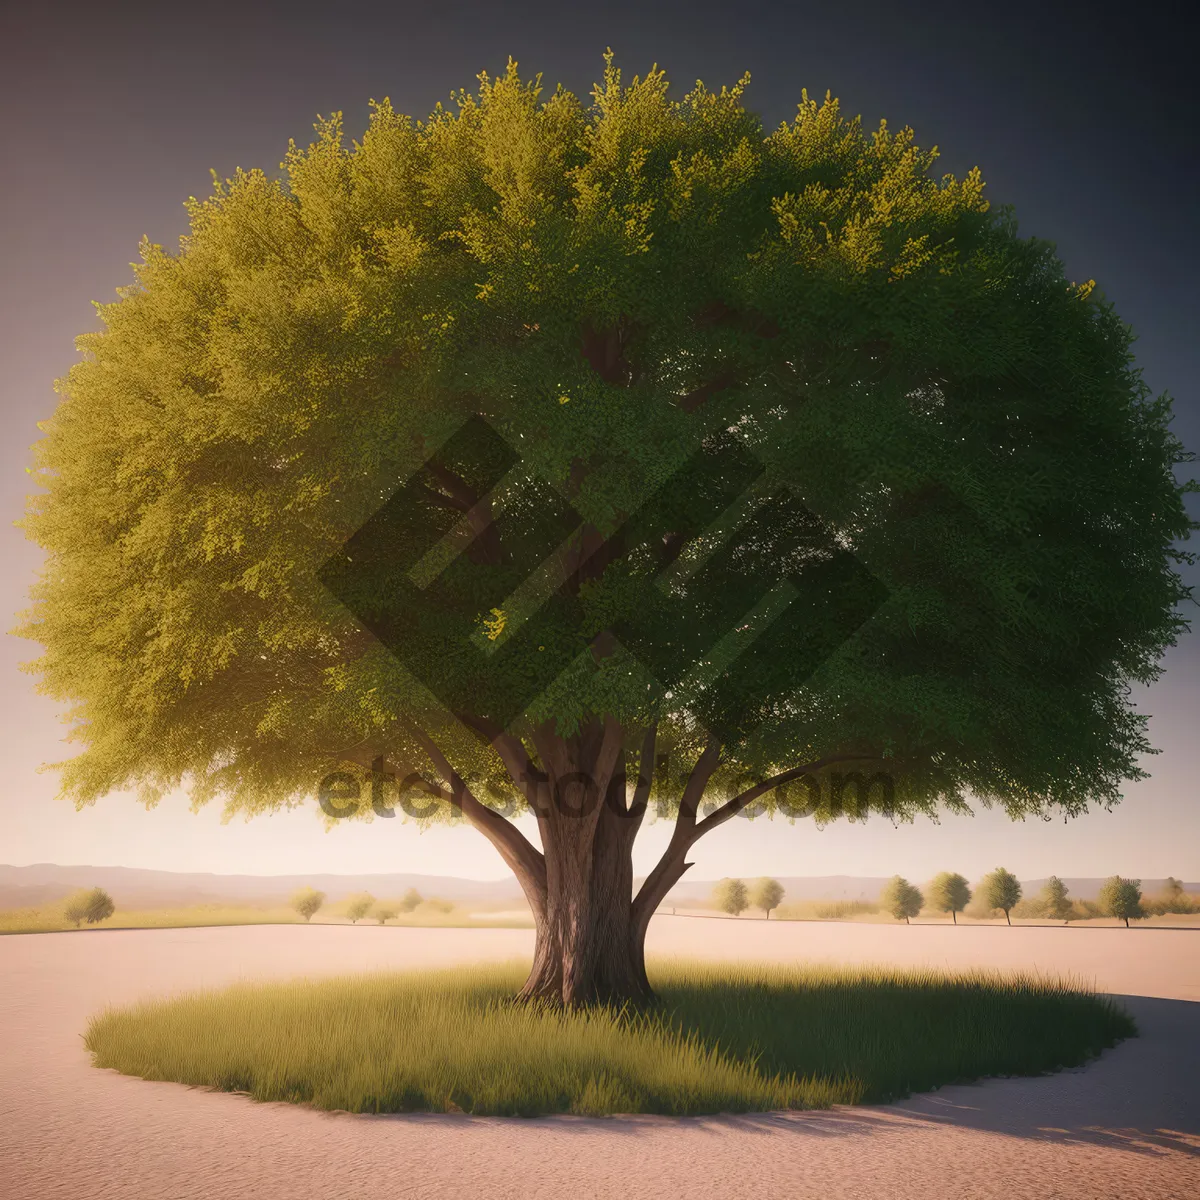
(92, 905)
(756, 1038)
(410, 901)
(1054, 901)
(1121, 898)
(901, 899)
(730, 896)
(358, 906)
(1000, 890)
(307, 902)
(384, 913)
(1172, 899)
(766, 894)
(949, 892)
(609, 284)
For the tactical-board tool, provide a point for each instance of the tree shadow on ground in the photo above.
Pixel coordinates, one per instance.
(1137, 1097)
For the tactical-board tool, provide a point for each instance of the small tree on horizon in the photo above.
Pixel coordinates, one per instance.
(1172, 899)
(766, 894)
(412, 898)
(1001, 889)
(358, 907)
(384, 913)
(1122, 898)
(1054, 900)
(92, 905)
(949, 892)
(307, 901)
(901, 899)
(729, 896)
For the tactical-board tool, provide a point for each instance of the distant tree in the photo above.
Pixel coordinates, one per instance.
(901, 899)
(384, 912)
(730, 897)
(92, 905)
(1054, 902)
(75, 907)
(411, 899)
(766, 895)
(437, 904)
(1122, 898)
(1000, 890)
(100, 906)
(950, 893)
(1172, 899)
(307, 901)
(359, 906)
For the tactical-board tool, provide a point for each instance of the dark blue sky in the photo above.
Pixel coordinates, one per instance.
(1080, 115)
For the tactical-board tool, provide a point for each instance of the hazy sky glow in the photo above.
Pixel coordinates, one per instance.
(114, 116)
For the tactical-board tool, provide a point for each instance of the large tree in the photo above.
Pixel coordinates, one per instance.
(902, 477)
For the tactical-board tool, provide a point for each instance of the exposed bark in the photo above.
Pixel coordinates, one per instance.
(590, 928)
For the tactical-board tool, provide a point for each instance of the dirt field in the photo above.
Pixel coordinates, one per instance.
(1126, 1126)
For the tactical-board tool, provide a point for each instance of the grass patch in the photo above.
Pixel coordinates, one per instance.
(728, 1038)
(50, 919)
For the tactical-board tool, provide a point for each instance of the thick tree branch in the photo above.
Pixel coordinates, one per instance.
(671, 866)
(732, 807)
(516, 759)
(526, 862)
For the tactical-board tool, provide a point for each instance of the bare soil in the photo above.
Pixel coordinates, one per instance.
(1126, 1126)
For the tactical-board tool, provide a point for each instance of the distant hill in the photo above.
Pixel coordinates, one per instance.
(137, 887)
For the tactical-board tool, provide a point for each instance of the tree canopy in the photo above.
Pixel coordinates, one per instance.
(903, 476)
(307, 902)
(766, 894)
(731, 896)
(949, 892)
(1121, 898)
(1054, 900)
(92, 905)
(901, 898)
(1001, 889)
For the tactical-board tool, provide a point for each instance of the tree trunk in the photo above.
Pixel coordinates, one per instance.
(590, 929)
(954, 916)
(1007, 917)
(589, 949)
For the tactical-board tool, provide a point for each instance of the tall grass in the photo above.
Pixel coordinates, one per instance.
(827, 910)
(725, 1039)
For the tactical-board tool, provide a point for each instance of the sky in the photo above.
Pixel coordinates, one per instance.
(1079, 115)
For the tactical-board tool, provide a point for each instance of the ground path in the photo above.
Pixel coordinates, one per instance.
(1126, 1126)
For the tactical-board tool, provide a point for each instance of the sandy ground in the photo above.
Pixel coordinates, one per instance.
(1127, 1126)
